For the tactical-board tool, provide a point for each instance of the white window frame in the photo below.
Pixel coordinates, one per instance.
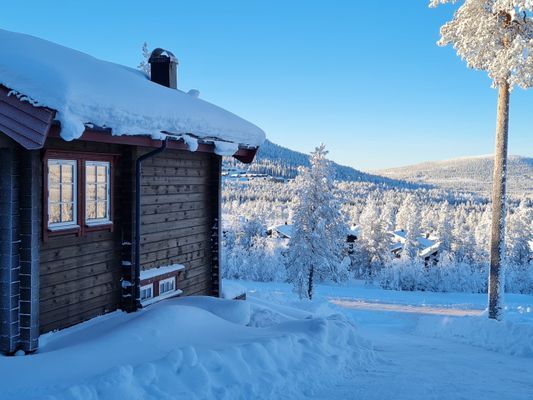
(146, 287)
(99, 221)
(162, 282)
(56, 226)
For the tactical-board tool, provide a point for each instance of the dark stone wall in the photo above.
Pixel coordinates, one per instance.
(30, 225)
(20, 218)
(9, 252)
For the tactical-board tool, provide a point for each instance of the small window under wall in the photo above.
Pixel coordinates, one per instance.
(167, 285)
(62, 194)
(97, 192)
(147, 292)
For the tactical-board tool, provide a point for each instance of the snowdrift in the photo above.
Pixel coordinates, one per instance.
(191, 348)
(506, 337)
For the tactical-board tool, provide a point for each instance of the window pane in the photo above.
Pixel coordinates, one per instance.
(91, 173)
(91, 192)
(53, 194)
(101, 210)
(53, 171)
(67, 214)
(102, 173)
(91, 210)
(102, 192)
(66, 173)
(66, 193)
(54, 213)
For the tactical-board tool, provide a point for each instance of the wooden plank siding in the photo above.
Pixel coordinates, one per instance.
(179, 206)
(80, 276)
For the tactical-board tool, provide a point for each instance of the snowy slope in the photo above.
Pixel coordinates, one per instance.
(276, 160)
(467, 174)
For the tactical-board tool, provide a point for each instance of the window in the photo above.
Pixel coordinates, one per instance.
(167, 285)
(147, 292)
(62, 189)
(97, 199)
(78, 193)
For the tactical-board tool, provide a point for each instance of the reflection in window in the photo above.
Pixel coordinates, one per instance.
(97, 199)
(167, 285)
(61, 193)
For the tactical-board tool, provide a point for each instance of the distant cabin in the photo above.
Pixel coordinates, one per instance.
(113, 214)
(427, 247)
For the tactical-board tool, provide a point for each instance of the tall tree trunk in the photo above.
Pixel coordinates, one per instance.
(310, 283)
(497, 245)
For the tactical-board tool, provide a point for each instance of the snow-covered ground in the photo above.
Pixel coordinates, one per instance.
(428, 345)
(351, 342)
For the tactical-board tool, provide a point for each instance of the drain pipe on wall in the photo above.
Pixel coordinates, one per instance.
(137, 249)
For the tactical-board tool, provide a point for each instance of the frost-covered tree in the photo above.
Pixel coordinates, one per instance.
(519, 234)
(375, 238)
(316, 247)
(412, 231)
(444, 228)
(495, 36)
(144, 66)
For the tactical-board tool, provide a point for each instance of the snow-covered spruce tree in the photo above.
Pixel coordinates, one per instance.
(519, 233)
(144, 66)
(495, 36)
(375, 239)
(315, 250)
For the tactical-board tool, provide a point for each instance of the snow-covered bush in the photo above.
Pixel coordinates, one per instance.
(447, 276)
(262, 260)
(519, 278)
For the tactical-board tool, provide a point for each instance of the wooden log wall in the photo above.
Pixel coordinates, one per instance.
(80, 277)
(179, 207)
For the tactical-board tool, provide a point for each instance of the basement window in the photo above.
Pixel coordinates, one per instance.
(147, 292)
(167, 285)
(62, 199)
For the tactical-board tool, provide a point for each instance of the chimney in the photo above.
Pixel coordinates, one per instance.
(164, 68)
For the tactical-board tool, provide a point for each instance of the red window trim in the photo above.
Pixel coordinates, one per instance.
(80, 158)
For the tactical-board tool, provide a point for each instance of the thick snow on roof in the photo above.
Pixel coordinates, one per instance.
(85, 90)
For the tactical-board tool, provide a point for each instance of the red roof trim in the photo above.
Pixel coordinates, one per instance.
(23, 122)
(95, 135)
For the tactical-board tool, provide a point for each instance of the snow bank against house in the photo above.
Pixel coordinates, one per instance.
(84, 90)
(191, 348)
(509, 337)
(231, 290)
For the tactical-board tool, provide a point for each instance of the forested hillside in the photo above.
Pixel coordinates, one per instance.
(467, 174)
(276, 160)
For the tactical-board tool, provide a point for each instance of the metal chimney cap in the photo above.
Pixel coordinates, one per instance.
(161, 55)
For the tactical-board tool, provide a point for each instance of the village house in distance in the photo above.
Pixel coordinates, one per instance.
(109, 187)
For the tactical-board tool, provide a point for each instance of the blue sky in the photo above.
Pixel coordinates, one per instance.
(364, 77)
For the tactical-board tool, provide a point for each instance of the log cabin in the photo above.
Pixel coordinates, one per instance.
(109, 187)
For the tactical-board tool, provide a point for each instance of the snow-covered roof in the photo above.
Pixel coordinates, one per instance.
(284, 230)
(354, 230)
(87, 91)
(426, 246)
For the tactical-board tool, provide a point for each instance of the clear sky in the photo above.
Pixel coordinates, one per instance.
(364, 77)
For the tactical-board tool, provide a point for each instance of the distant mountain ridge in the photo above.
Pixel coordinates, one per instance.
(276, 160)
(469, 174)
